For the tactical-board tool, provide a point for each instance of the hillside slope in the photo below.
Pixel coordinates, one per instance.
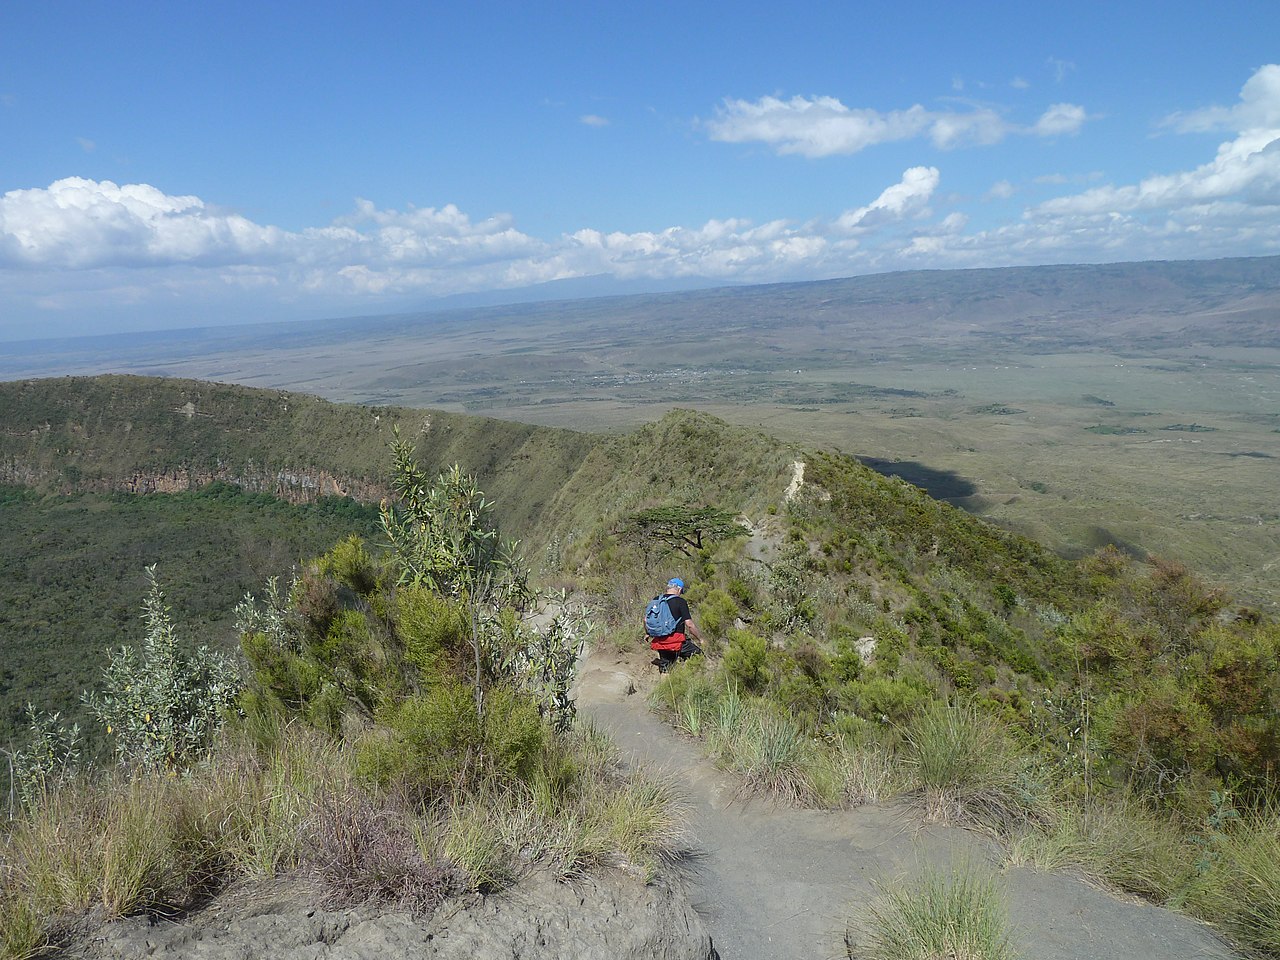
(151, 434)
(848, 612)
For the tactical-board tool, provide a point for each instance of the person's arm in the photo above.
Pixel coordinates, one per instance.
(691, 627)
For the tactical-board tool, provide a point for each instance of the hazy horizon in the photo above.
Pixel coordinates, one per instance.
(240, 165)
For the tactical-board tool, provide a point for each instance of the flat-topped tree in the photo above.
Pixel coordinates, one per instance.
(687, 529)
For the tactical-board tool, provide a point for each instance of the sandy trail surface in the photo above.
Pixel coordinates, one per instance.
(776, 883)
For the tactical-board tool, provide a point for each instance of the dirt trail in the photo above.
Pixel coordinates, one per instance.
(775, 883)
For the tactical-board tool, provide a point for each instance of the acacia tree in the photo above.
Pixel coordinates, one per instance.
(687, 529)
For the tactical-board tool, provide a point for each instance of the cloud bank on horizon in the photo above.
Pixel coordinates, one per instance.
(79, 244)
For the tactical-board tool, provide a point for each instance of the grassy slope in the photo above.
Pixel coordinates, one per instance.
(686, 458)
(960, 599)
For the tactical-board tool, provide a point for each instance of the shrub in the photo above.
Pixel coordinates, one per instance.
(355, 656)
(349, 563)
(846, 664)
(435, 742)
(541, 662)
(1158, 731)
(884, 699)
(279, 674)
(1241, 690)
(433, 630)
(50, 759)
(317, 600)
(368, 852)
(804, 699)
(716, 614)
(326, 709)
(743, 591)
(746, 659)
(163, 705)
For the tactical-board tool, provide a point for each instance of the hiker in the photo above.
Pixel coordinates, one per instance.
(667, 623)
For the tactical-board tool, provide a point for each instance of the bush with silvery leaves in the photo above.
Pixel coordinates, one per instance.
(51, 757)
(162, 703)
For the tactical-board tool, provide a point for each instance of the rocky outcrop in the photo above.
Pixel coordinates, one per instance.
(612, 917)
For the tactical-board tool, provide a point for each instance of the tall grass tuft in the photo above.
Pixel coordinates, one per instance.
(866, 773)
(589, 813)
(477, 842)
(22, 929)
(1116, 840)
(118, 845)
(260, 799)
(958, 916)
(968, 769)
(1239, 883)
(775, 758)
(767, 749)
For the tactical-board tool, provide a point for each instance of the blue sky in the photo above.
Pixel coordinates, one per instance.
(166, 165)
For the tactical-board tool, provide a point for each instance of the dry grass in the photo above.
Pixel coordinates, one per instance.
(771, 754)
(122, 845)
(1238, 886)
(150, 841)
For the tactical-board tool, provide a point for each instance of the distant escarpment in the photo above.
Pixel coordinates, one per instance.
(154, 435)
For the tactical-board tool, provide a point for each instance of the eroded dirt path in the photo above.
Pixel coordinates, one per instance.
(775, 883)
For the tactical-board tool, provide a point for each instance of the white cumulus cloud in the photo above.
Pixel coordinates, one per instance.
(1245, 172)
(823, 126)
(908, 196)
(86, 223)
(1227, 206)
(81, 244)
(86, 247)
(1259, 107)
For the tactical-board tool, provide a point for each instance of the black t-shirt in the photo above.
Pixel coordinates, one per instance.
(680, 610)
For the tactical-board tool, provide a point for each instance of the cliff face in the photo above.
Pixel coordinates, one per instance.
(293, 486)
(153, 435)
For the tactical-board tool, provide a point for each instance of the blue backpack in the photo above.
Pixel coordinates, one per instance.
(659, 621)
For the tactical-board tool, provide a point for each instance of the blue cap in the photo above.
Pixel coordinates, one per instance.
(675, 582)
